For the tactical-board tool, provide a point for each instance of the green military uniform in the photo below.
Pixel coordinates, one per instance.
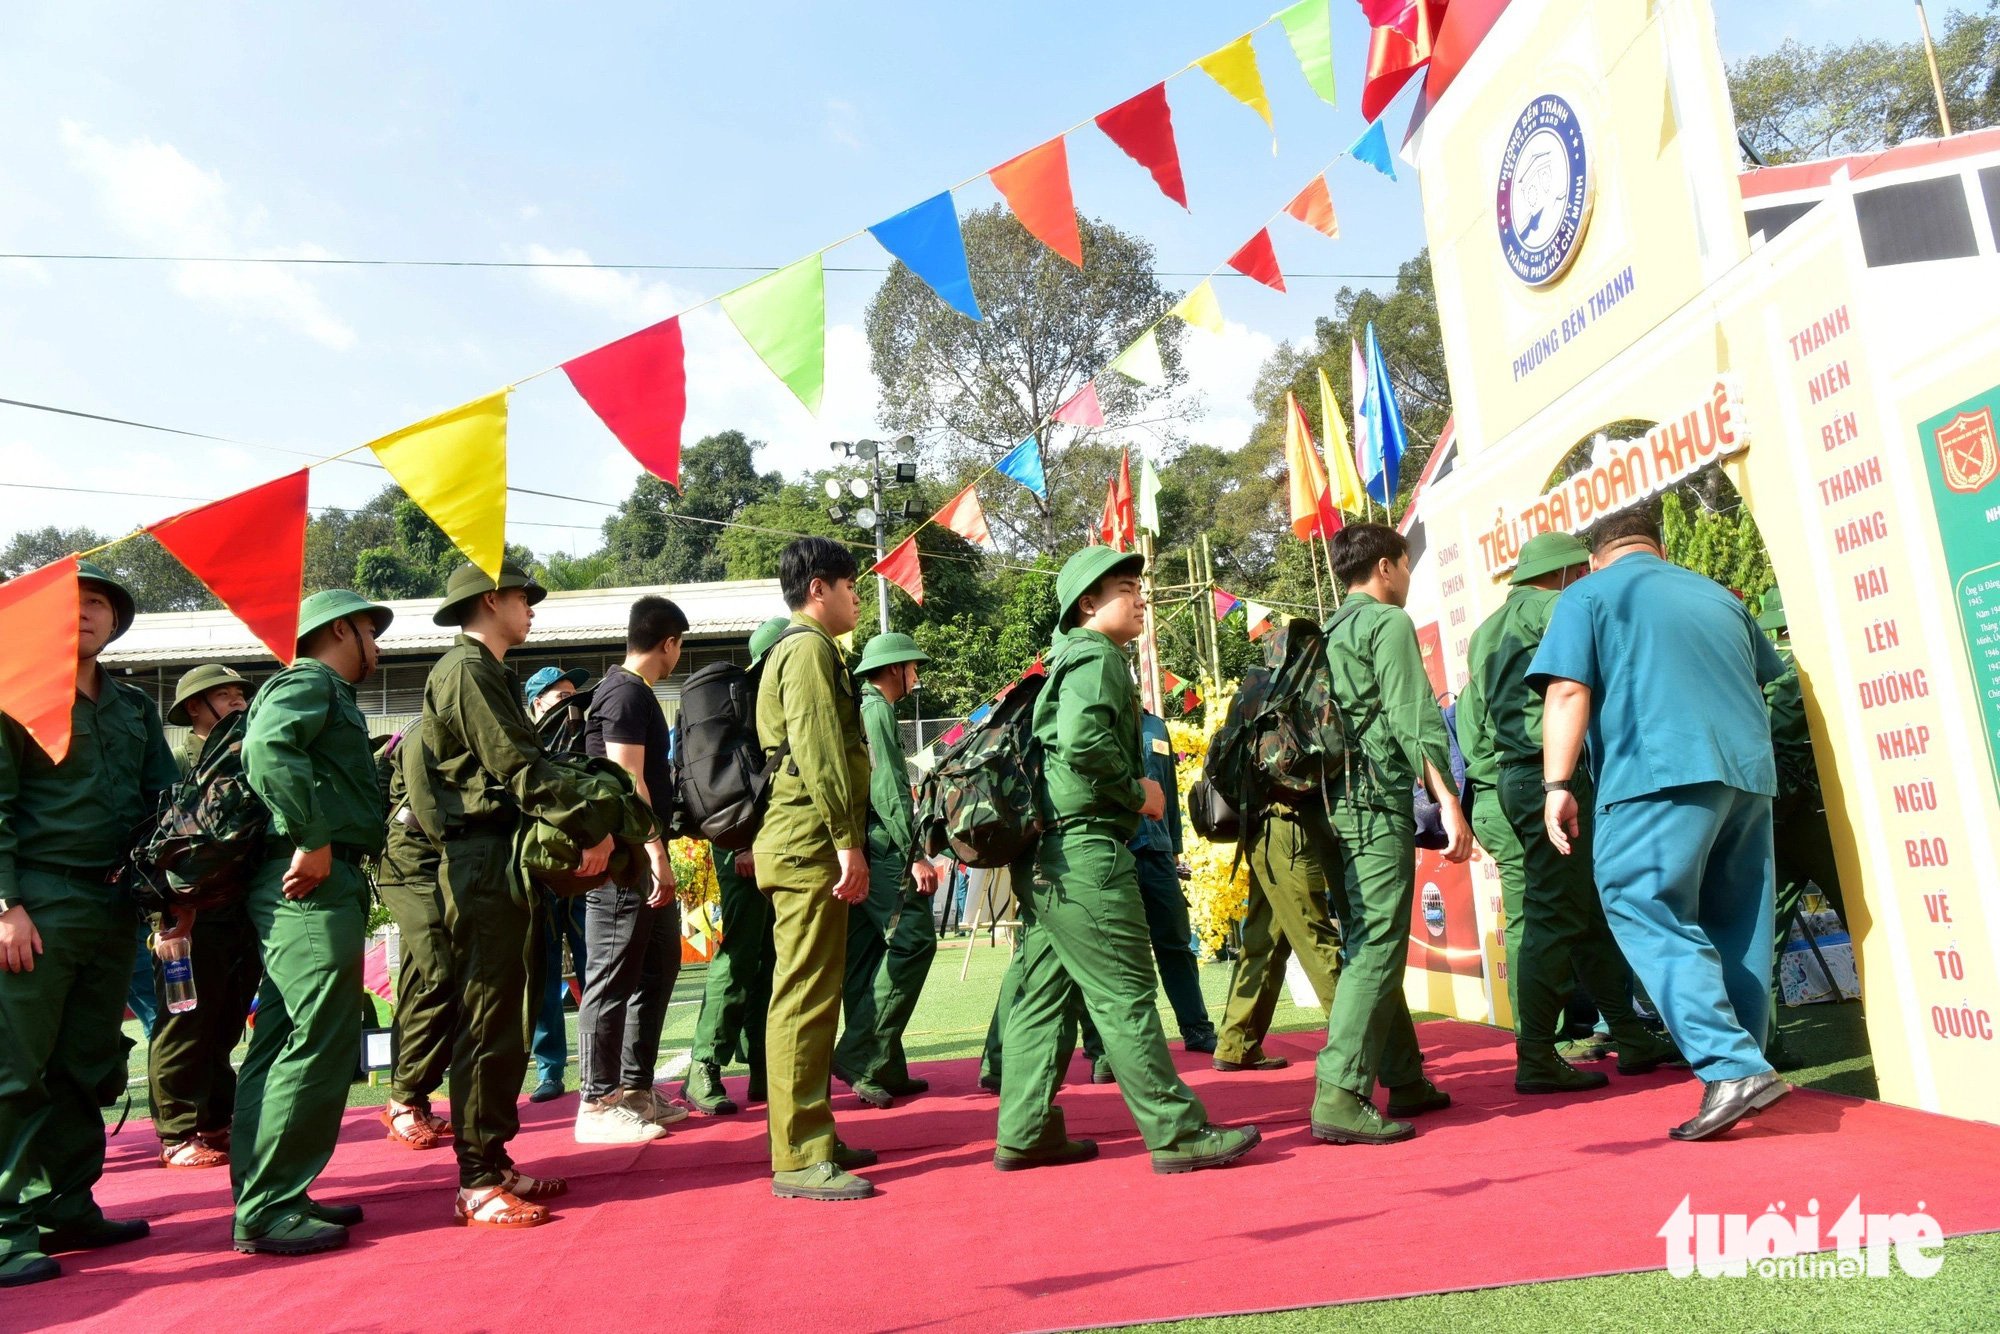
(806, 706)
(406, 879)
(188, 1074)
(307, 756)
(64, 829)
(1491, 826)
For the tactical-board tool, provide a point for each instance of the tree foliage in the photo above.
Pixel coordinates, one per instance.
(156, 580)
(668, 535)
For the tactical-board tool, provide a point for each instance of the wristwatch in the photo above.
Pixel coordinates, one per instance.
(8, 905)
(1555, 785)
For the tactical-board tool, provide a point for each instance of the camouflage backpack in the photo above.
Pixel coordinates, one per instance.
(208, 835)
(1284, 739)
(977, 804)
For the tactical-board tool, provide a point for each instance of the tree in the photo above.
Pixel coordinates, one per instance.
(1802, 102)
(1723, 544)
(563, 573)
(335, 540)
(664, 535)
(972, 390)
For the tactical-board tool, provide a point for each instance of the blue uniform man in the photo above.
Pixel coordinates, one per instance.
(1156, 848)
(1665, 670)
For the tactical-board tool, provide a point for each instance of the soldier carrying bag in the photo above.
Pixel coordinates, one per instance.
(208, 836)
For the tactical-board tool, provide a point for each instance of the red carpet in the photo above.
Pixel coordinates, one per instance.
(685, 1234)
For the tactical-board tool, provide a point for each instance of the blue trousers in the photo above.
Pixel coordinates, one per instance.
(561, 920)
(1687, 877)
(139, 996)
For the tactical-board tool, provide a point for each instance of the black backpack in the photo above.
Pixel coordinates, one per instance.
(977, 804)
(722, 778)
(561, 728)
(208, 835)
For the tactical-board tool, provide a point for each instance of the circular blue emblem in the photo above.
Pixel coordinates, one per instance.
(1543, 201)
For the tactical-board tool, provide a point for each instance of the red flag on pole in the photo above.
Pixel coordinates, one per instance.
(1258, 260)
(964, 515)
(250, 551)
(1036, 186)
(637, 386)
(1314, 207)
(902, 568)
(38, 612)
(1082, 409)
(1144, 127)
(1397, 50)
(1116, 524)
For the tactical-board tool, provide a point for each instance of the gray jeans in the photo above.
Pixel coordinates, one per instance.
(634, 955)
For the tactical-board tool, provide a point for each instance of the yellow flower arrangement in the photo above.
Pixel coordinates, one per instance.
(1217, 900)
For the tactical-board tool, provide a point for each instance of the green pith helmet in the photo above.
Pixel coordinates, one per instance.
(335, 604)
(766, 635)
(1081, 572)
(122, 606)
(199, 681)
(468, 581)
(1771, 612)
(1545, 553)
(888, 649)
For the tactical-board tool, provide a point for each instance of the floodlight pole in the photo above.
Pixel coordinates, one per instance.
(881, 539)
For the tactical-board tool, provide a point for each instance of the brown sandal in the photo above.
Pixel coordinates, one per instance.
(523, 1186)
(409, 1126)
(192, 1153)
(496, 1206)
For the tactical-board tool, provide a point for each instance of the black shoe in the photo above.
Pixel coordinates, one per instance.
(909, 1088)
(1254, 1059)
(341, 1215)
(866, 1089)
(1202, 1044)
(1417, 1097)
(1059, 1155)
(547, 1091)
(991, 1083)
(93, 1235)
(24, 1267)
(847, 1158)
(1726, 1101)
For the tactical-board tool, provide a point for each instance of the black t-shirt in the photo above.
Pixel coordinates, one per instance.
(624, 712)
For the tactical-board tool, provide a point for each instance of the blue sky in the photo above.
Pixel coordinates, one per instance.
(686, 134)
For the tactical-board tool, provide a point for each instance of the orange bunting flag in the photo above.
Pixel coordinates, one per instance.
(249, 549)
(1312, 509)
(902, 568)
(965, 516)
(1116, 524)
(1036, 186)
(1144, 127)
(1314, 207)
(1258, 260)
(38, 614)
(1168, 681)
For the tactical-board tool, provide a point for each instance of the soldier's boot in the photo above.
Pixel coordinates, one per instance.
(1211, 1146)
(1343, 1117)
(704, 1092)
(821, 1181)
(1641, 1051)
(1537, 1069)
(1417, 1097)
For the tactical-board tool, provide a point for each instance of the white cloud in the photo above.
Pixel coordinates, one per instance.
(1222, 370)
(153, 194)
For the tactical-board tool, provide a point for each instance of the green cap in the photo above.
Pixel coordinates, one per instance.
(1081, 572)
(197, 681)
(122, 606)
(766, 635)
(336, 604)
(1545, 553)
(1771, 612)
(468, 581)
(888, 649)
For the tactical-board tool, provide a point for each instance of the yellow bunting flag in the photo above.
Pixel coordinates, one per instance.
(454, 466)
(1347, 492)
(1141, 361)
(1200, 308)
(1235, 68)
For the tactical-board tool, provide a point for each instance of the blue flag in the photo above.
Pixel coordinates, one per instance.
(1024, 464)
(927, 239)
(1373, 148)
(1386, 437)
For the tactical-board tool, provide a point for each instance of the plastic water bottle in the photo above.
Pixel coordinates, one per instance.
(178, 971)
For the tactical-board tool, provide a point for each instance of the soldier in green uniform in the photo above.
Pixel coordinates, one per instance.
(891, 937)
(812, 862)
(1563, 934)
(1398, 737)
(1087, 929)
(736, 995)
(484, 772)
(66, 945)
(307, 756)
(558, 921)
(426, 1014)
(188, 1075)
(1489, 823)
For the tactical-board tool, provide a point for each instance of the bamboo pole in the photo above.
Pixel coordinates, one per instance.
(1937, 80)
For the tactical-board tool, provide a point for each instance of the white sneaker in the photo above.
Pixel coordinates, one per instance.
(611, 1121)
(653, 1106)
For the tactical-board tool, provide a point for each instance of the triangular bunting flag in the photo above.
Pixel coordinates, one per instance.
(1024, 465)
(38, 612)
(1224, 602)
(964, 515)
(1343, 481)
(783, 317)
(1256, 259)
(926, 237)
(1168, 681)
(1373, 148)
(1312, 510)
(1036, 186)
(1144, 127)
(454, 466)
(1115, 524)
(637, 386)
(1190, 701)
(1149, 497)
(1200, 308)
(1082, 409)
(1141, 361)
(1309, 28)
(1314, 207)
(902, 568)
(259, 581)
(1260, 617)
(1235, 68)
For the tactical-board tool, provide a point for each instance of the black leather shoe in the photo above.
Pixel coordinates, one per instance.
(1726, 1101)
(94, 1234)
(991, 1083)
(909, 1088)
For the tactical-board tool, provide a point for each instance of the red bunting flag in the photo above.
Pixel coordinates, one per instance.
(964, 515)
(902, 568)
(1314, 207)
(1168, 681)
(1116, 525)
(1397, 50)
(1082, 409)
(1224, 602)
(1258, 260)
(38, 614)
(1036, 186)
(1190, 701)
(1144, 127)
(637, 386)
(249, 549)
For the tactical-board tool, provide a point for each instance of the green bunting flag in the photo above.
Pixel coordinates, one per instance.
(783, 317)
(1141, 361)
(1309, 25)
